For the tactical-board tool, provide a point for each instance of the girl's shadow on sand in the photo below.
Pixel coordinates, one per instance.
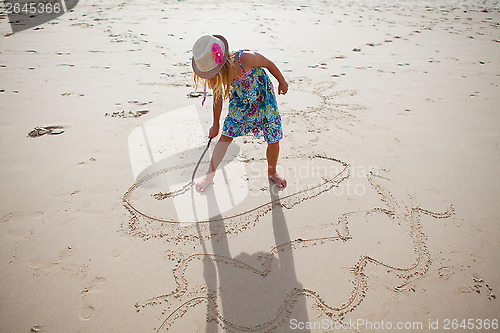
(245, 298)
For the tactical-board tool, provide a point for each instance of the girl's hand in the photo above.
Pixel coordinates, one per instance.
(282, 88)
(213, 132)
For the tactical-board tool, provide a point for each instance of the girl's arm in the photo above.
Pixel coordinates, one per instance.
(254, 59)
(217, 110)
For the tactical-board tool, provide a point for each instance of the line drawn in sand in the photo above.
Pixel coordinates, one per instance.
(186, 296)
(148, 226)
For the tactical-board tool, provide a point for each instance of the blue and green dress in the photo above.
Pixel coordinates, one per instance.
(252, 107)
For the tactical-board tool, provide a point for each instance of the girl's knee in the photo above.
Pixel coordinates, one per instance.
(274, 144)
(224, 138)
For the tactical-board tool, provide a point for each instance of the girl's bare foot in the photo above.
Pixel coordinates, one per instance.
(204, 181)
(280, 181)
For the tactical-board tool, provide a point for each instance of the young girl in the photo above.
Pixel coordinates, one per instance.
(253, 110)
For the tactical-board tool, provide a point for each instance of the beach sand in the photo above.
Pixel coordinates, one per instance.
(391, 151)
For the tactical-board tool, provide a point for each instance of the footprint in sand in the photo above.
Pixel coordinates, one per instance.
(121, 113)
(42, 266)
(87, 310)
(124, 244)
(20, 225)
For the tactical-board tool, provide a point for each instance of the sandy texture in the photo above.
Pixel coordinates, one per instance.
(391, 152)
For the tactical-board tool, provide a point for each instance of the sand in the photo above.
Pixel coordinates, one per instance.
(391, 152)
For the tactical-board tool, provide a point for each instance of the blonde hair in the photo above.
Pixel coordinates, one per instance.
(221, 82)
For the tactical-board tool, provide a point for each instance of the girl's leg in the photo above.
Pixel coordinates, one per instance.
(272, 153)
(219, 152)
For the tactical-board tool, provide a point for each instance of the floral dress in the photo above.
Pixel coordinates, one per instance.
(252, 107)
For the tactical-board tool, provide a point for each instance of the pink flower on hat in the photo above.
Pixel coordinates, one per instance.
(217, 51)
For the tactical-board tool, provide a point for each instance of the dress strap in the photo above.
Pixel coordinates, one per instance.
(239, 60)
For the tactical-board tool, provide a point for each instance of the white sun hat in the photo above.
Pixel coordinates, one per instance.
(209, 54)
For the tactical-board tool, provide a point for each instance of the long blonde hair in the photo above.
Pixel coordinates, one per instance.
(221, 82)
